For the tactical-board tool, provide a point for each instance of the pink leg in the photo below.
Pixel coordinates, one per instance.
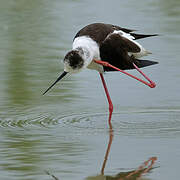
(109, 100)
(151, 84)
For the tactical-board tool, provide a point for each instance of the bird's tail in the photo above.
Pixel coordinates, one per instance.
(140, 36)
(144, 63)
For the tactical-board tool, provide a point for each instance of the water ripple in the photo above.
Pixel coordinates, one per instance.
(146, 123)
(143, 123)
(28, 120)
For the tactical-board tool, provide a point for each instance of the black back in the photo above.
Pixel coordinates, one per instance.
(114, 48)
(99, 31)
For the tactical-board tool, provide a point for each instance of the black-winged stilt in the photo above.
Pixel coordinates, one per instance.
(106, 47)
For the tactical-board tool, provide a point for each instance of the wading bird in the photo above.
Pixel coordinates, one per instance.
(106, 47)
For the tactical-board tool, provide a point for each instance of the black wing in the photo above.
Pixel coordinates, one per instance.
(114, 50)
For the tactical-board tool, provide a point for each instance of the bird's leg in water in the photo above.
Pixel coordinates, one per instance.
(151, 84)
(109, 100)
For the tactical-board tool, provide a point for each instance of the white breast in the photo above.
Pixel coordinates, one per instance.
(88, 44)
(91, 51)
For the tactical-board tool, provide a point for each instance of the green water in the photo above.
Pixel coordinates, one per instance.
(65, 132)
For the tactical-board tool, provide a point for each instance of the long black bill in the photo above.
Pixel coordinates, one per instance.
(58, 79)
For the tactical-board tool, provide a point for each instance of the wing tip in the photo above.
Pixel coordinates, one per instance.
(144, 63)
(140, 36)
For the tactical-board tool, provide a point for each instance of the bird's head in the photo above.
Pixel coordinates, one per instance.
(73, 63)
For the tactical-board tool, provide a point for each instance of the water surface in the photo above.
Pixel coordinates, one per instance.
(65, 132)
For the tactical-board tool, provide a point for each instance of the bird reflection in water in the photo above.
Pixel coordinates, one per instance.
(136, 174)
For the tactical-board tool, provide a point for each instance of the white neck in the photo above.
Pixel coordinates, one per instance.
(90, 48)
